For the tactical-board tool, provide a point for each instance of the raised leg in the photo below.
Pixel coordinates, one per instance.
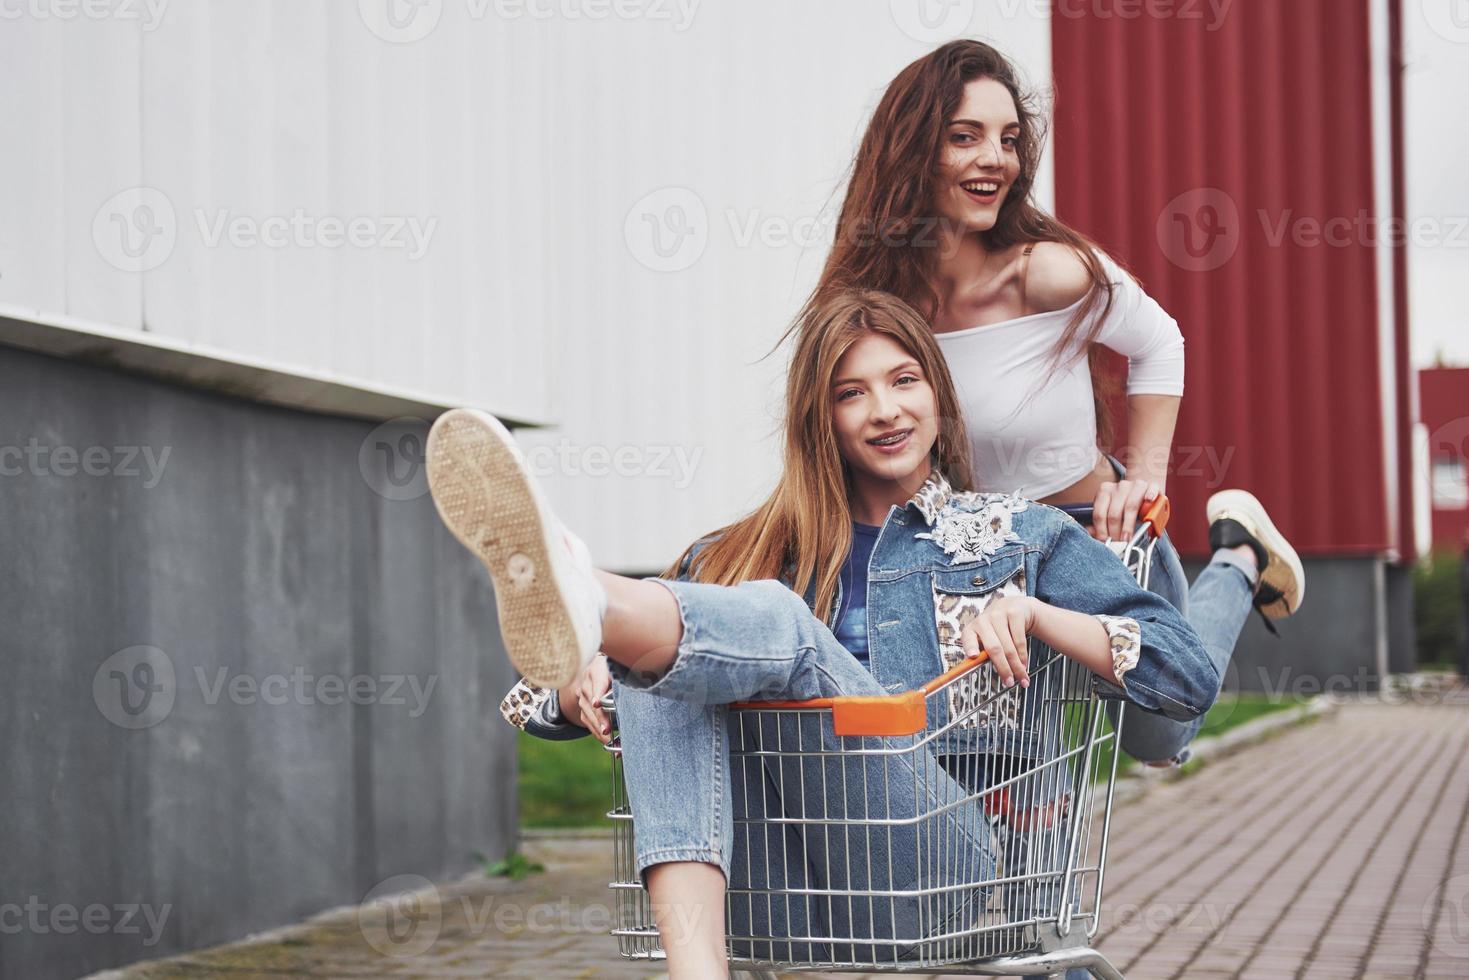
(1216, 605)
(755, 641)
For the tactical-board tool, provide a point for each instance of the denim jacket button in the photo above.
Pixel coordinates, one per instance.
(978, 580)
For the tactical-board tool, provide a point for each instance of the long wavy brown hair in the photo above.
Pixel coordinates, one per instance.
(886, 232)
(803, 532)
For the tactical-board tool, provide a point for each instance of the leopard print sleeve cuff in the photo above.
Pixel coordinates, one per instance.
(525, 702)
(1126, 637)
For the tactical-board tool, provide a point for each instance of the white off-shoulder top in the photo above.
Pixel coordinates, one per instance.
(1032, 431)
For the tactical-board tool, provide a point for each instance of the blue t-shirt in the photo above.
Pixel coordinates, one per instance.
(851, 623)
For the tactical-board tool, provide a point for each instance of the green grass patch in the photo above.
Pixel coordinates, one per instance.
(564, 784)
(515, 866)
(1230, 711)
(1437, 609)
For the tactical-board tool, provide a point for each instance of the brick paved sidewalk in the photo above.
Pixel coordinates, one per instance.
(1333, 850)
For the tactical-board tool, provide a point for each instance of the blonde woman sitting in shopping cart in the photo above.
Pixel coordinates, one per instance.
(871, 569)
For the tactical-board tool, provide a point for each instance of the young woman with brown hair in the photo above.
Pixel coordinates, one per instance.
(939, 210)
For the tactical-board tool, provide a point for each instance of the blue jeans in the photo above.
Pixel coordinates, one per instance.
(758, 640)
(1216, 606)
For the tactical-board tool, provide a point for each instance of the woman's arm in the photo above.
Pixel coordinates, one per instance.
(1151, 420)
(1002, 629)
(1138, 327)
(1158, 660)
(1076, 636)
(581, 700)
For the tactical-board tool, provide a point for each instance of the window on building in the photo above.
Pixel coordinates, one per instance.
(1450, 489)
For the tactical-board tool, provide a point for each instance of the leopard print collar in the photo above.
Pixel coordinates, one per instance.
(932, 496)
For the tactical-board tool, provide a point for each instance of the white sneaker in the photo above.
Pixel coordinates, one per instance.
(549, 600)
(1237, 517)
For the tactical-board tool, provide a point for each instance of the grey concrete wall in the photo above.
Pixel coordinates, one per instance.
(1401, 626)
(1332, 639)
(323, 661)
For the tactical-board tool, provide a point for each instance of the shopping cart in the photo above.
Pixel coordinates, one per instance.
(999, 871)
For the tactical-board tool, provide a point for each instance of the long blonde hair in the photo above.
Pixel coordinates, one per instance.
(803, 531)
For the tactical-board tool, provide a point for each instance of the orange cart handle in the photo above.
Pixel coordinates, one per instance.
(875, 714)
(1157, 514)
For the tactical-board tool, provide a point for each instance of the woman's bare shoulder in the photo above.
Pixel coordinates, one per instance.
(1055, 278)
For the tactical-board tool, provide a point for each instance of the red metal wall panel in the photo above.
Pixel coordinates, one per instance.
(1209, 157)
(1444, 397)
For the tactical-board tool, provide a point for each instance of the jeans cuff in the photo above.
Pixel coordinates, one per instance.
(674, 855)
(1247, 567)
(643, 681)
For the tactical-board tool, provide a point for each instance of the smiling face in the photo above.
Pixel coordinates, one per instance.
(979, 160)
(885, 415)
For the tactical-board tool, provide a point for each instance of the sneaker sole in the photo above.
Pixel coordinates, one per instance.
(1284, 571)
(487, 500)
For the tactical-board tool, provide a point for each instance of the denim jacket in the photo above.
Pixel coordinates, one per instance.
(944, 556)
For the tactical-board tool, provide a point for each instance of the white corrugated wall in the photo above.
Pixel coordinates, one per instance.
(538, 146)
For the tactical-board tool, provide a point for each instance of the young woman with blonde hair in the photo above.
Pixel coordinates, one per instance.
(871, 568)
